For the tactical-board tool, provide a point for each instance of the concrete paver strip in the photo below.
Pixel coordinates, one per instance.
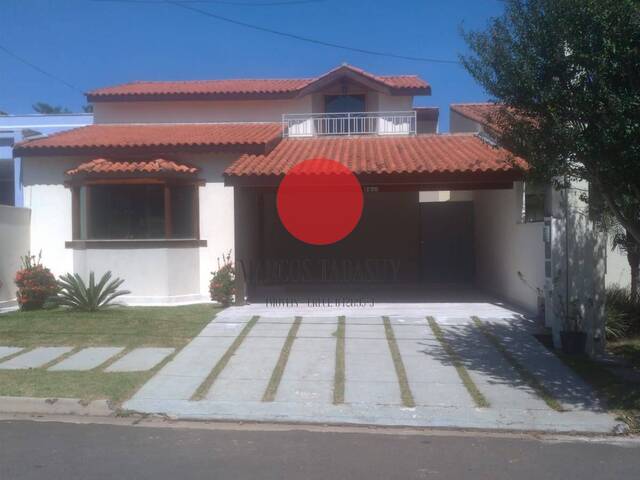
(310, 370)
(140, 359)
(179, 379)
(7, 351)
(369, 370)
(247, 374)
(87, 359)
(432, 376)
(562, 382)
(495, 377)
(35, 358)
(524, 373)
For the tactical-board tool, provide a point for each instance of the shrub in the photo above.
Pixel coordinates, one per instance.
(623, 313)
(36, 284)
(222, 287)
(75, 294)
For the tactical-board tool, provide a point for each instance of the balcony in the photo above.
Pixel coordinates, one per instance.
(349, 124)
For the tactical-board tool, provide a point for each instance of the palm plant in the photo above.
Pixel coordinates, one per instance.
(75, 294)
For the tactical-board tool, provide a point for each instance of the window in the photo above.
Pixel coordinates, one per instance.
(340, 124)
(533, 202)
(343, 103)
(142, 209)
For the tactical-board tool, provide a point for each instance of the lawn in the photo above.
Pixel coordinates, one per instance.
(120, 326)
(628, 349)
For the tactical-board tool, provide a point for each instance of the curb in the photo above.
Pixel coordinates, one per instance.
(55, 406)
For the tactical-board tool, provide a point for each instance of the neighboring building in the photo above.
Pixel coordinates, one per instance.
(14, 129)
(173, 175)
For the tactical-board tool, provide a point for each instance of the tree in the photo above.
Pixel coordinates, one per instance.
(87, 108)
(46, 108)
(566, 72)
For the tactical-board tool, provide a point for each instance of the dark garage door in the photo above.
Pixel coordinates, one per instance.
(447, 242)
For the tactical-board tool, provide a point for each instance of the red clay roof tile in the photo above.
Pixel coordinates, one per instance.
(483, 113)
(104, 166)
(449, 153)
(131, 136)
(246, 87)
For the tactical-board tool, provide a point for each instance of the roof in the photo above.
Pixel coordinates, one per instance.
(104, 166)
(254, 88)
(426, 154)
(247, 137)
(483, 113)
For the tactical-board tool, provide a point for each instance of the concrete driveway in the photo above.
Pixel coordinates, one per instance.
(460, 365)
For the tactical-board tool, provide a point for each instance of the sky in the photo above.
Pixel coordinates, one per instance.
(95, 43)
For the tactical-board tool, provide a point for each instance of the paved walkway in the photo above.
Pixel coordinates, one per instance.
(386, 365)
(58, 359)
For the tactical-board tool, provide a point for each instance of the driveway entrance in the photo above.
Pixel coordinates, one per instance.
(463, 365)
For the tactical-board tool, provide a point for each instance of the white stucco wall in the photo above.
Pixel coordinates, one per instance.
(14, 243)
(50, 204)
(153, 275)
(199, 111)
(505, 247)
(461, 124)
(618, 271)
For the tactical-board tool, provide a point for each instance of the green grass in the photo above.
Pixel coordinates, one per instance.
(628, 348)
(87, 386)
(339, 375)
(276, 376)
(479, 399)
(525, 374)
(118, 326)
(401, 373)
(204, 387)
(128, 327)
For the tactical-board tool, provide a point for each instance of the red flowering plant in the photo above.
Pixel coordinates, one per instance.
(36, 284)
(222, 287)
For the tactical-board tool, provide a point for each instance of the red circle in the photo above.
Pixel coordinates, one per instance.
(319, 201)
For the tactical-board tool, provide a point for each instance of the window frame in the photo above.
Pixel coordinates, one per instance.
(539, 190)
(80, 216)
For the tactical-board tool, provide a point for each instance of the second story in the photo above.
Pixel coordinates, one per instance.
(343, 101)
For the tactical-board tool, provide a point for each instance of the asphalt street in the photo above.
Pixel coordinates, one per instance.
(49, 450)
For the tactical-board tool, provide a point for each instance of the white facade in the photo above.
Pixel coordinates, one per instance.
(153, 275)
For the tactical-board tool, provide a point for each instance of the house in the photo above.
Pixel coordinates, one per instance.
(173, 175)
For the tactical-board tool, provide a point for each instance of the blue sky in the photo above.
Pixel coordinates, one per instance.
(91, 44)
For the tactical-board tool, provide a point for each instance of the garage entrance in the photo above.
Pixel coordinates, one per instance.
(402, 249)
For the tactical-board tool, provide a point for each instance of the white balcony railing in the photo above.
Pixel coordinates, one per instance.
(351, 123)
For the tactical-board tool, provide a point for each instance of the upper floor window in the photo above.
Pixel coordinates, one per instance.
(343, 103)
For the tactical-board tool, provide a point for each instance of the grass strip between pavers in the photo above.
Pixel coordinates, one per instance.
(6, 358)
(401, 373)
(526, 375)
(204, 387)
(278, 371)
(339, 374)
(477, 396)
